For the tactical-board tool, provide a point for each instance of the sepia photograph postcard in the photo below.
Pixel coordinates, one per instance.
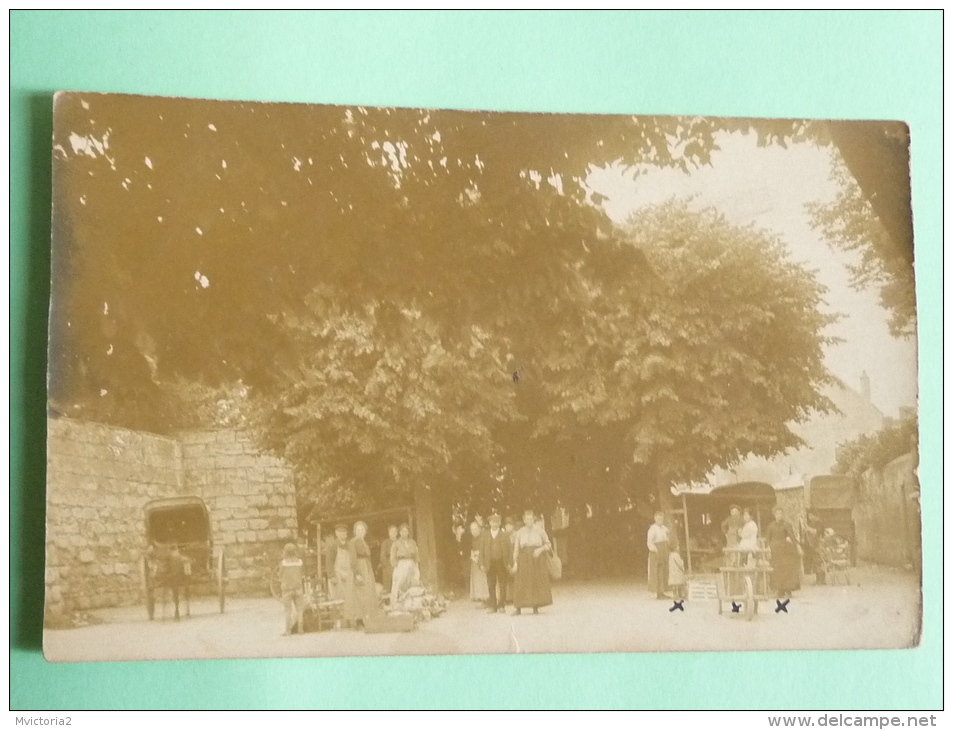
(360, 381)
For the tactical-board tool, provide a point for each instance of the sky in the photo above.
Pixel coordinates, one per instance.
(769, 188)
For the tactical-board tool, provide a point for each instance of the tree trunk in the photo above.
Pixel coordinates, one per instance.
(426, 536)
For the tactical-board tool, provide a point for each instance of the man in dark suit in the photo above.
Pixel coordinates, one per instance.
(497, 554)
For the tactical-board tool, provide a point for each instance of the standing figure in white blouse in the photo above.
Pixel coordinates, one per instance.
(748, 544)
(658, 544)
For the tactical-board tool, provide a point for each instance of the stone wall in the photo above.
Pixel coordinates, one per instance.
(887, 515)
(99, 478)
(251, 503)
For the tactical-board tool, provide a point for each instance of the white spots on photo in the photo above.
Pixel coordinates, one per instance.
(149, 163)
(159, 218)
(105, 307)
(102, 392)
(201, 279)
(89, 145)
(296, 163)
(224, 164)
(212, 127)
(198, 230)
(109, 350)
(284, 203)
(85, 104)
(82, 199)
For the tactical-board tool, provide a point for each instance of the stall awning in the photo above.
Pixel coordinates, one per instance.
(743, 491)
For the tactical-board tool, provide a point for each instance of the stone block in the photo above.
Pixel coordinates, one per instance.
(233, 525)
(108, 568)
(258, 523)
(86, 556)
(94, 526)
(67, 527)
(228, 501)
(275, 474)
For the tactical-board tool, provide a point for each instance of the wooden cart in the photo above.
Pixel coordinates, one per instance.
(744, 579)
(179, 552)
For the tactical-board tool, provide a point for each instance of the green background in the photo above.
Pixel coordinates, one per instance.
(769, 64)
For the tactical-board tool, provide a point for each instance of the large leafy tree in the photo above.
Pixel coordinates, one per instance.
(710, 358)
(409, 296)
(183, 226)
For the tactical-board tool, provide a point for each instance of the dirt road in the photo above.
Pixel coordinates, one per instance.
(881, 609)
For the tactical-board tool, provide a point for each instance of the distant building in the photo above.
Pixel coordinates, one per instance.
(822, 434)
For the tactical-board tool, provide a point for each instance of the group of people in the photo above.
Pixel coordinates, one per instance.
(351, 574)
(667, 568)
(503, 565)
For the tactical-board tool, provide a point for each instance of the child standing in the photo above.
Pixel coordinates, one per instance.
(292, 591)
(676, 574)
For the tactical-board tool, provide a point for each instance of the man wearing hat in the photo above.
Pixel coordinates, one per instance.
(496, 552)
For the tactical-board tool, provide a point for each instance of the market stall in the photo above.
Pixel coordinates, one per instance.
(702, 512)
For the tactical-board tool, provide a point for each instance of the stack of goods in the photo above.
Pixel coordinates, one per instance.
(419, 603)
(321, 613)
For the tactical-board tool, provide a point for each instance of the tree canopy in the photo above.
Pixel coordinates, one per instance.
(395, 296)
(876, 450)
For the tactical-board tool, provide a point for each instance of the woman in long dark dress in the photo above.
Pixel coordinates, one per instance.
(365, 589)
(785, 557)
(531, 548)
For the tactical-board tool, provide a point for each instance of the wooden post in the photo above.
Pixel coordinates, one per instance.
(688, 549)
(320, 553)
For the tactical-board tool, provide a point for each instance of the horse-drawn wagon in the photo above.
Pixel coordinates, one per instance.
(180, 552)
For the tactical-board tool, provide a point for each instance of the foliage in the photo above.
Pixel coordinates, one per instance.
(876, 450)
(849, 223)
(723, 351)
(419, 296)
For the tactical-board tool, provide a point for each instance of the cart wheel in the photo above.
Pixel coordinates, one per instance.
(750, 606)
(221, 580)
(276, 583)
(147, 589)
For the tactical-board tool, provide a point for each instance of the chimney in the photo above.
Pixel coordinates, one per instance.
(865, 386)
